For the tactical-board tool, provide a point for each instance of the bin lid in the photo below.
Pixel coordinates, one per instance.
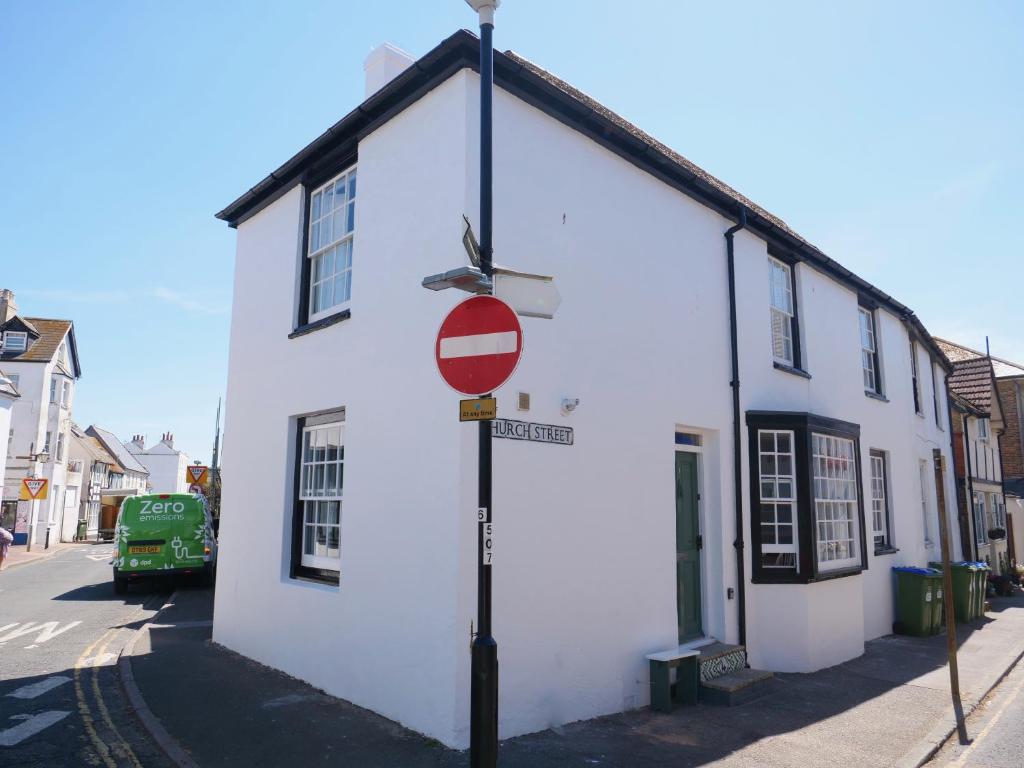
(914, 569)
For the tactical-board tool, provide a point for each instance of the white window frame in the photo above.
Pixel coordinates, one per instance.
(10, 336)
(869, 351)
(54, 397)
(773, 485)
(783, 312)
(65, 394)
(935, 397)
(834, 479)
(46, 444)
(879, 498)
(322, 250)
(983, 431)
(980, 519)
(316, 490)
(60, 446)
(15, 379)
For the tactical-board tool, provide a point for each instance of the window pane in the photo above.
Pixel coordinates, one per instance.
(768, 441)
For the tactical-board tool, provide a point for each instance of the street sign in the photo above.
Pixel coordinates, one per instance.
(528, 294)
(33, 488)
(478, 345)
(197, 474)
(480, 409)
(528, 430)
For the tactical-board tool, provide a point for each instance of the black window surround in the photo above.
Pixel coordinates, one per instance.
(296, 570)
(803, 425)
(799, 366)
(326, 170)
(884, 547)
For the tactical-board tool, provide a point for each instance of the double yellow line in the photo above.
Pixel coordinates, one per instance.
(119, 747)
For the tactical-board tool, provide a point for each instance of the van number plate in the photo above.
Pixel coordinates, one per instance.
(148, 549)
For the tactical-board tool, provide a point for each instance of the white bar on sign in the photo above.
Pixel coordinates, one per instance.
(479, 344)
(38, 689)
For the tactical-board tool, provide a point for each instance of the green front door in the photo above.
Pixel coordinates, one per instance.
(688, 545)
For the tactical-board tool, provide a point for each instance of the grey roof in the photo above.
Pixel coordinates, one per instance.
(560, 100)
(117, 449)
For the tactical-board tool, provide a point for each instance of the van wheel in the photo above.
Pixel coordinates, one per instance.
(120, 585)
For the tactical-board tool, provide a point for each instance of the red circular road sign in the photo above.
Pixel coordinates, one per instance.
(478, 345)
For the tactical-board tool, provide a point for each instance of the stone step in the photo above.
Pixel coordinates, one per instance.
(736, 687)
(717, 659)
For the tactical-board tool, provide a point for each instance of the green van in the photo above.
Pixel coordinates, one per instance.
(166, 534)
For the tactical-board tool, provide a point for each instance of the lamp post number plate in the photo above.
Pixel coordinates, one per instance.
(488, 551)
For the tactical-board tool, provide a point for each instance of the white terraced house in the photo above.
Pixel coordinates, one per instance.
(39, 357)
(759, 529)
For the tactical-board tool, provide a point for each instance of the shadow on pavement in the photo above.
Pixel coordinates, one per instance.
(221, 707)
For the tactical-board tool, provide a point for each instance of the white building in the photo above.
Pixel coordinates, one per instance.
(102, 480)
(358, 485)
(40, 357)
(8, 395)
(165, 463)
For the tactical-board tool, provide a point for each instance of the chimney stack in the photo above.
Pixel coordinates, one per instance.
(384, 64)
(8, 308)
(168, 439)
(140, 441)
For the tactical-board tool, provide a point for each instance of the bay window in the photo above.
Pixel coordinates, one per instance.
(807, 520)
(980, 519)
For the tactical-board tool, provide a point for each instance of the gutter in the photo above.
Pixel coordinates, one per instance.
(738, 544)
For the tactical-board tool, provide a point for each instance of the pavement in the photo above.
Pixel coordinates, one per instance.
(996, 739)
(890, 707)
(61, 631)
(19, 555)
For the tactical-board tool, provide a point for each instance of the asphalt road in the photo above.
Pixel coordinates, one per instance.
(996, 738)
(61, 629)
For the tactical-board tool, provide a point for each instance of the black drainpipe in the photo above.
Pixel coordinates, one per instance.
(969, 490)
(741, 590)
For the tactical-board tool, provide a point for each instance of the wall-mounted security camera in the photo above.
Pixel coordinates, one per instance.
(569, 404)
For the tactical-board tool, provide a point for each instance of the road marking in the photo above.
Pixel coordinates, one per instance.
(47, 630)
(100, 660)
(960, 761)
(105, 712)
(38, 689)
(30, 727)
(99, 558)
(83, 708)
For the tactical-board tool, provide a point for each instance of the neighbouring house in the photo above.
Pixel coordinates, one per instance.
(102, 480)
(646, 524)
(165, 463)
(1010, 386)
(129, 478)
(8, 394)
(40, 356)
(978, 424)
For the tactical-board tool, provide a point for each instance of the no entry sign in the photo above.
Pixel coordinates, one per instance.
(478, 345)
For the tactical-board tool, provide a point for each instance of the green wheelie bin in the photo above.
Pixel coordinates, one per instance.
(981, 588)
(965, 589)
(914, 600)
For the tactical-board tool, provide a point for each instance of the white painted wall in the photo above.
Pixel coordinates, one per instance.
(584, 580)
(166, 467)
(32, 416)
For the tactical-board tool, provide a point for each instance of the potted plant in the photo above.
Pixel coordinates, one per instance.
(996, 534)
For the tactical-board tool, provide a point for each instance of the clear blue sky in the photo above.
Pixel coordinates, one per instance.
(889, 134)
